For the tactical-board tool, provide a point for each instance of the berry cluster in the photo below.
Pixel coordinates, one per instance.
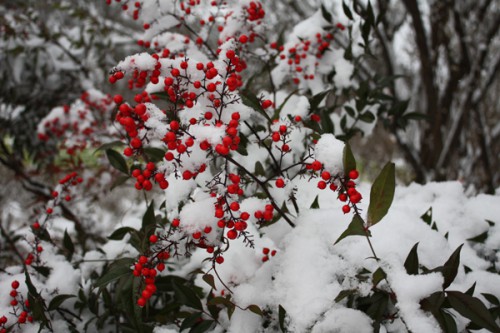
(266, 252)
(20, 309)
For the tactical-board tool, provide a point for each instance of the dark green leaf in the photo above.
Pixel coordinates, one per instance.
(491, 298)
(43, 270)
(315, 204)
(378, 276)
(473, 309)
(203, 326)
(348, 159)
(450, 268)
(281, 318)
(427, 216)
(371, 16)
(316, 100)
(259, 169)
(326, 14)
(249, 99)
(479, 238)
(116, 270)
(117, 161)
(68, 244)
(411, 263)
(190, 321)
(110, 145)
(255, 309)
(326, 123)
(350, 111)
(382, 194)
(344, 293)
(471, 290)
(347, 11)
(187, 296)
(355, 228)
(208, 278)
(58, 300)
(155, 154)
(415, 116)
(221, 300)
(149, 219)
(120, 180)
(118, 234)
(367, 117)
(242, 150)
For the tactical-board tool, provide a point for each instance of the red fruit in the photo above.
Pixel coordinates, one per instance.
(265, 250)
(176, 223)
(196, 235)
(153, 238)
(219, 260)
(342, 197)
(243, 39)
(267, 103)
(280, 183)
(15, 284)
(353, 174)
(234, 206)
(128, 152)
(160, 267)
(346, 209)
(143, 260)
(232, 234)
(118, 99)
(325, 175)
(141, 302)
(175, 72)
(136, 143)
(211, 87)
(321, 185)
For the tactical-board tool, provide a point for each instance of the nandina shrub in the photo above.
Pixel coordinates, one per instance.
(230, 140)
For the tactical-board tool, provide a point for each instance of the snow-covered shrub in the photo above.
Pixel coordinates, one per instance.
(253, 217)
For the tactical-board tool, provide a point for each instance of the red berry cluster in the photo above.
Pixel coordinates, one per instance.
(301, 56)
(266, 252)
(20, 309)
(144, 177)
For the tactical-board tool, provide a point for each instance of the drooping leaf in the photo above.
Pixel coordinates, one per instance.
(347, 11)
(326, 14)
(209, 279)
(58, 301)
(367, 117)
(382, 194)
(450, 268)
(411, 263)
(43, 270)
(491, 298)
(355, 228)
(190, 321)
(117, 161)
(68, 244)
(479, 238)
(473, 309)
(345, 293)
(255, 309)
(471, 290)
(349, 161)
(187, 296)
(116, 270)
(316, 100)
(155, 154)
(203, 326)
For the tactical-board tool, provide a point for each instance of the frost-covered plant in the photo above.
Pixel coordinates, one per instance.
(232, 129)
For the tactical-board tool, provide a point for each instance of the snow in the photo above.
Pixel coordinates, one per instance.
(330, 151)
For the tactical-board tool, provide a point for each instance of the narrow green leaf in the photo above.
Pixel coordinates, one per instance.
(58, 301)
(316, 100)
(479, 238)
(118, 234)
(348, 159)
(491, 298)
(347, 11)
(367, 117)
(281, 318)
(68, 244)
(190, 321)
(326, 14)
(450, 268)
(112, 275)
(344, 293)
(202, 327)
(120, 180)
(155, 154)
(473, 309)
(117, 161)
(220, 301)
(355, 228)
(315, 204)
(471, 290)
(249, 99)
(259, 169)
(350, 111)
(43, 270)
(427, 216)
(209, 278)
(411, 263)
(149, 219)
(382, 194)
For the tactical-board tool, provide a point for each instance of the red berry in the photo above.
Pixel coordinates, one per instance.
(280, 183)
(353, 174)
(321, 185)
(346, 209)
(176, 223)
(219, 260)
(141, 302)
(267, 103)
(15, 284)
(153, 238)
(232, 234)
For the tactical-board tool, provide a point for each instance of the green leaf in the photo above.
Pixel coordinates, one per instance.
(255, 309)
(479, 238)
(110, 145)
(344, 293)
(382, 194)
(120, 180)
(43, 270)
(209, 278)
(116, 270)
(326, 14)
(281, 318)
(117, 161)
(347, 11)
(315, 204)
(327, 123)
(187, 296)
(450, 268)
(491, 298)
(367, 117)
(118, 234)
(190, 321)
(58, 301)
(259, 169)
(355, 228)
(221, 301)
(378, 276)
(348, 159)
(350, 111)
(155, 154)
(203, 326)
(411, 263)
(149, 219)
(473, 309)
(249, 99)
(427, 216)
(316, 100)
(68, 244)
